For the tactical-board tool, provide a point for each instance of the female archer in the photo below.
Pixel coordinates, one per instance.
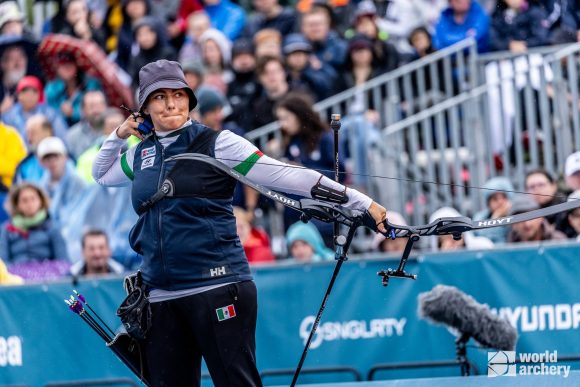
(203, 299)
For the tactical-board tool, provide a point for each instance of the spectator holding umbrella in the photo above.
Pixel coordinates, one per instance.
(30, 102)
(66, 91)
(517, 25)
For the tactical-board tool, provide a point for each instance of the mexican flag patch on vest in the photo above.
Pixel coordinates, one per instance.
(226, 313)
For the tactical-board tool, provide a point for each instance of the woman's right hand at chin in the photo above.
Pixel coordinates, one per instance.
(129, 127)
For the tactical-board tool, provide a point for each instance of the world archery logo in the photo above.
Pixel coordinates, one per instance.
(501, 363)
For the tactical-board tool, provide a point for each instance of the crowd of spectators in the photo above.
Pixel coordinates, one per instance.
(249, 65)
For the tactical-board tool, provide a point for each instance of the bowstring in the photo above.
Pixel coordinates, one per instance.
(323, 171)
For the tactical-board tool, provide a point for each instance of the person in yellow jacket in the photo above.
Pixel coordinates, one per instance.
(13, 150)
(8, 279)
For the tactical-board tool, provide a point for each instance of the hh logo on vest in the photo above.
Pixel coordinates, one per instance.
(217, 272)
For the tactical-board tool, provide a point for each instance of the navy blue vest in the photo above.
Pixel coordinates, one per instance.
(188, 240)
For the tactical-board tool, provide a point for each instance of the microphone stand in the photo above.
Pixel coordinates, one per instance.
(461, 352)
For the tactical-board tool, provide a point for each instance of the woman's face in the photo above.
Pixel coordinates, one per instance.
(289, 122)
(168, 108)
(541, 188)
(212, 54)
(420, 41)
(136, 9)
(146, 37)
(574, 219)
(76, 11)
(29, 202)
(367, 26)
(301, 251)
(67, 71)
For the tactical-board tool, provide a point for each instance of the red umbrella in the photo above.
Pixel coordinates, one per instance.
(92, 60)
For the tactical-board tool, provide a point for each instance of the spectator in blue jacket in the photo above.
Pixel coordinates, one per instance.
(327, 45)
(301, 73)
(463, 19)
(30, 235)
(226, 16)
(517, 25)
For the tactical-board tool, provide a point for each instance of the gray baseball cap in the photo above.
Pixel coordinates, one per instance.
(163, 74)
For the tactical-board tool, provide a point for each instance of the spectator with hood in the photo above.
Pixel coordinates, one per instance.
(150, 38)
(533, 230)
(301, 74)
(216, 51)
(327, 46)
(244, 87)
(463, 19)
(30, 235)
(517, 25)
(270, 14)
(226, 16)
(305, 244)
(497, 193)
(132, 11)
(65, 92)
(30, 102)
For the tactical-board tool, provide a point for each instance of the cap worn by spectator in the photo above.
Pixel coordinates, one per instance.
(30, 81)
(193, 67)
(50, 146)
(209, 99)
(163, 74)
(523, 203)
(10, 12)
(242, 46)
(572, 164)
(365, 8)
(296, 42)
